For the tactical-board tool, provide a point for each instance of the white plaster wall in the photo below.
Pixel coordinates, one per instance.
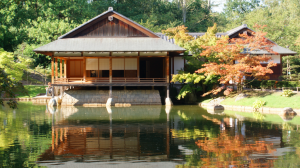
(275, 59)
(178, 64)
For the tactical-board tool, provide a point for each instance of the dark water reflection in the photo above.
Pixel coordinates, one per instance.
(145, 136)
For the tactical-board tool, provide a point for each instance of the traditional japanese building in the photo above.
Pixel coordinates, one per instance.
(110, 50)
(178, 63)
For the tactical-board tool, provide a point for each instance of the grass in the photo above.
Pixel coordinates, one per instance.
(272, 99)
(32, 91)
(273, 118)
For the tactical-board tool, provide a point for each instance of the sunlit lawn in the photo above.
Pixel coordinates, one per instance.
(274, 100)
(32, 91)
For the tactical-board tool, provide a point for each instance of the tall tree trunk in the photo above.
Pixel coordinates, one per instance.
(184, 11)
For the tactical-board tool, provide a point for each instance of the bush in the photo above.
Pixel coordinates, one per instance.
(287, 93)
(258, 104)
(268, 84)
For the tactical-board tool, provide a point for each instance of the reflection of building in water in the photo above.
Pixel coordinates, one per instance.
(158, 134)
(125, 133)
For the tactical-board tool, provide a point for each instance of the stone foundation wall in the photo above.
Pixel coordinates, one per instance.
(99, 97)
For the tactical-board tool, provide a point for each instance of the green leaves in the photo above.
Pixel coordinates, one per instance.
(258, 104)
(13, 67)
(187, 78)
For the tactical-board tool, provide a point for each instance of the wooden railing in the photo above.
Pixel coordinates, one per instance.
(106, 80)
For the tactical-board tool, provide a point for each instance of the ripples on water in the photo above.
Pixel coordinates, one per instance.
(145, 136)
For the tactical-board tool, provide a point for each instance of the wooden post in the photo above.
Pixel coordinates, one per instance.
(138, 67)
(56, 73)
(65, 68)
(52, 69)
(110, 70)
(168, 69)
(60, 62)
(84, 68)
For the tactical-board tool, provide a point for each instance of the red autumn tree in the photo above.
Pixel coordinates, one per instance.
(235, 59)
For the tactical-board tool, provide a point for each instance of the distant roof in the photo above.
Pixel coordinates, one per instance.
(102, 14)
(276, 48)
(109, 44)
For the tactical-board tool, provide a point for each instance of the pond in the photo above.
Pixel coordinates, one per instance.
(145, 136)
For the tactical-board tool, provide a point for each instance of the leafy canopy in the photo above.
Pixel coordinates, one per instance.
(234, 58)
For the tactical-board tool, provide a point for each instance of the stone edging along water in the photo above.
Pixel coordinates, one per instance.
(17, 99)
(264, 110)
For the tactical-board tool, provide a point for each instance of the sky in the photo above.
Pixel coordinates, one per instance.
(220, 6)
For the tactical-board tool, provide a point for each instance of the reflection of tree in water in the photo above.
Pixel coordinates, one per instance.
(228, 150)
(19, 134)
(258, 116)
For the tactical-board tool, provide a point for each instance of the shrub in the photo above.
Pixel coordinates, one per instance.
(287, 93)
(268, 84)
(258, 104)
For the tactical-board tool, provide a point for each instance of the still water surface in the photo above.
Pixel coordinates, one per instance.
(145, 136)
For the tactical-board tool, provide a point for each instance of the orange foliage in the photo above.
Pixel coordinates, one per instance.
(233, 150)
(234, 61)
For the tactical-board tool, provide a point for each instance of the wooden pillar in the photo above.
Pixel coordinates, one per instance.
(56, 73)
(52, 69)
(138, 67)
(84, 68)
(110, 70)
(65, 68)
(60, 63)
(168, 69)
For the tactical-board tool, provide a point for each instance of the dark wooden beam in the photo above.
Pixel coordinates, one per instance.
(52, 70)
(168, 69)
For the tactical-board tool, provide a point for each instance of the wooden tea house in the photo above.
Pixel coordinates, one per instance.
(234, 33)
(107, 51)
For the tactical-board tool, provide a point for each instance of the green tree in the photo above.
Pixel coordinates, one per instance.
(194, 82)
(11, 66)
